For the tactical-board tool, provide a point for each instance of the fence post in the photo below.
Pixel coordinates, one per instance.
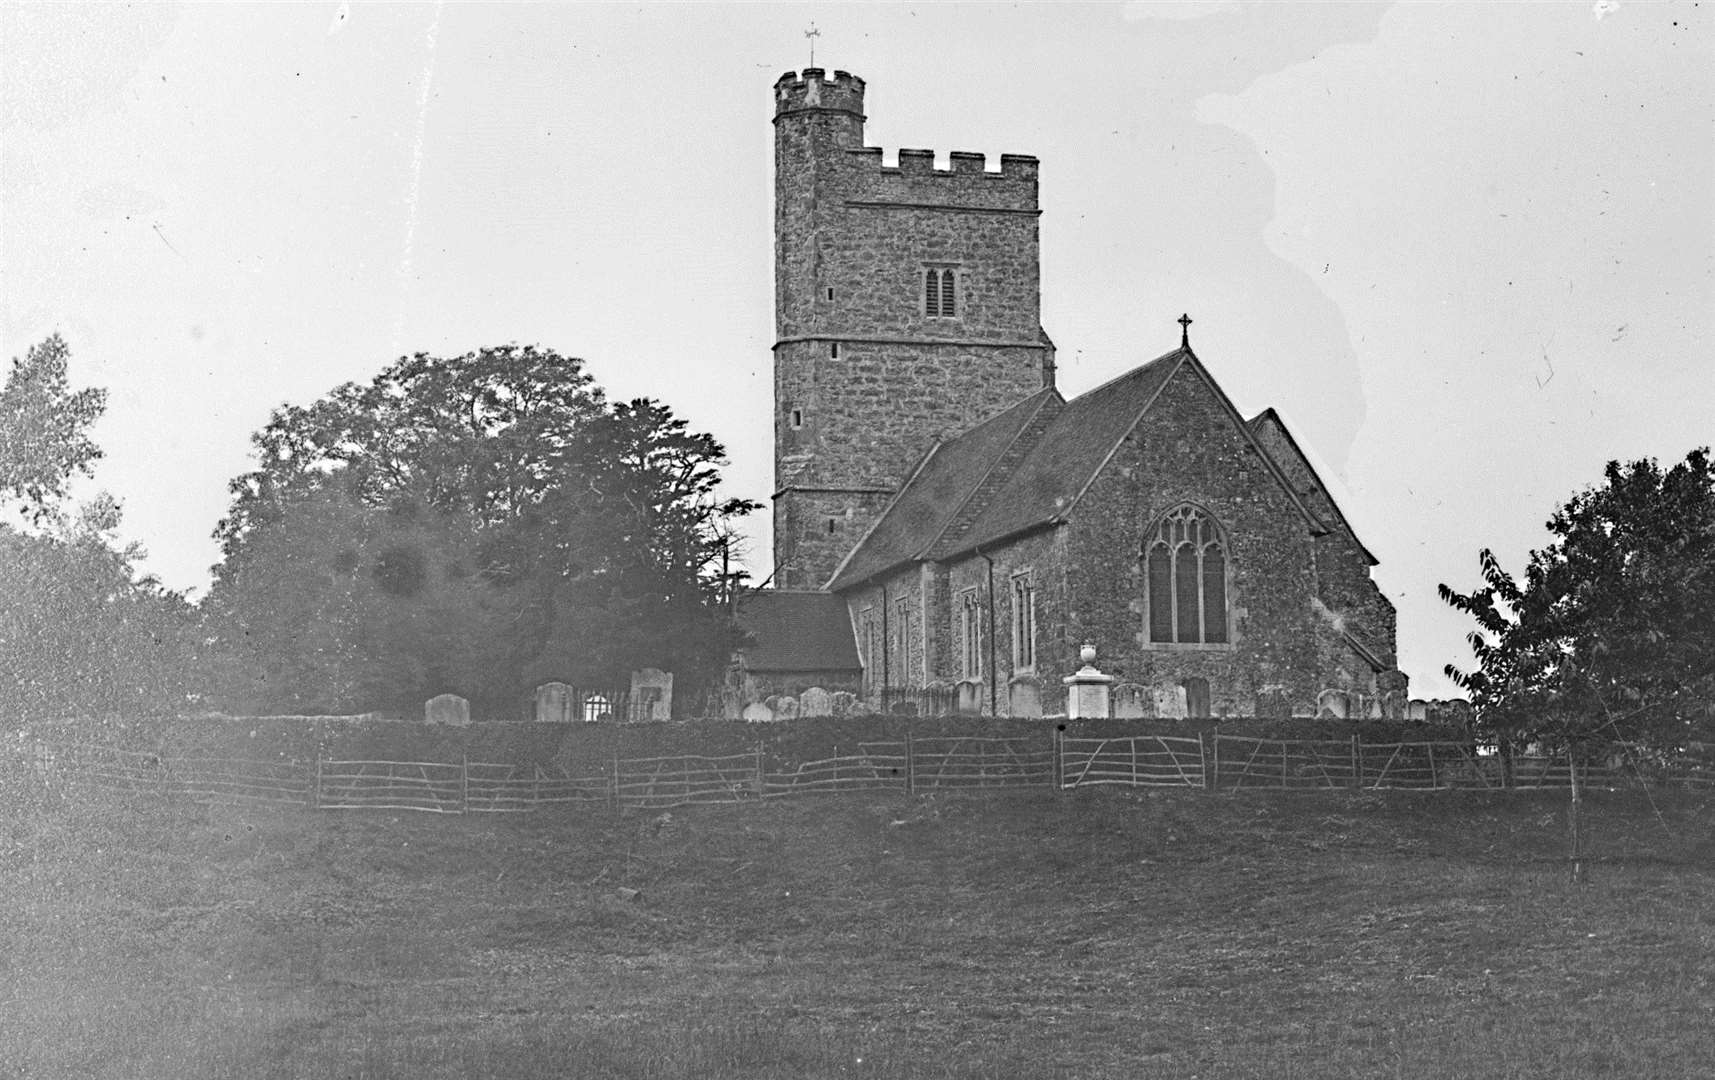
(1133, 741)
(464, 783)
(1357, 764)
(1209, 755)
(1434, 782)
(613, 784)
(316, 786)
(761, 780)
(910, 765)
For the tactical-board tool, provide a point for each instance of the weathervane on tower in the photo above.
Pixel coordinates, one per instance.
(812, 34)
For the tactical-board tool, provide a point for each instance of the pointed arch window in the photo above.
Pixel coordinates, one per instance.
(1186, 563)
(940, 293)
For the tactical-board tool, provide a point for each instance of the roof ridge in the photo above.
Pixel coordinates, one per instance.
(1129, 373)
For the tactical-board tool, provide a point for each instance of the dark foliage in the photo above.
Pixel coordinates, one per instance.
(475, 525)
(1610, 634)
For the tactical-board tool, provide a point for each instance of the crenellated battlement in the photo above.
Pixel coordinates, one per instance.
(965, 183)
(812, 89)
(914, 162)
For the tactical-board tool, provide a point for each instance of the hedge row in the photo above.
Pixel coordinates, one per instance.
(591, 747)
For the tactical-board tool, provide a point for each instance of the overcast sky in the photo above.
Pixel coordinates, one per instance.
(1466, 250)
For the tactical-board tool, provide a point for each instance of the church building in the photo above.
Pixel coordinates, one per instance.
(950, 531)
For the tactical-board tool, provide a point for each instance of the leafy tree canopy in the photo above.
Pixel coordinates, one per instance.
(82, 636)
(44, 427)
(1610, 634)
(476, 524)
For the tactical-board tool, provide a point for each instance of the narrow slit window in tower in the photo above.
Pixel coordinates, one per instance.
(940, 293)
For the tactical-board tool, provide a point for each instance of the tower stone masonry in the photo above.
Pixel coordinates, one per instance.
(907, 309)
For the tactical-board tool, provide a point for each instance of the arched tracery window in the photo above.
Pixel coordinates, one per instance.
(1186, 561)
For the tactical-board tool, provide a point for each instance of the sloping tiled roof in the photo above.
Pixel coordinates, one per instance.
(1269, 420)
(794, 630)
(1024, 469)
(933, 498)
(1069, 453)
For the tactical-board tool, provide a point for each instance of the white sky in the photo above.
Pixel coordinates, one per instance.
(1467, 250)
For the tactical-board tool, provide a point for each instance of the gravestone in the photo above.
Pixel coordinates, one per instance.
(970, 698)
(786, 708)
(447, 709)
(1133, 702)
(652, 695)
(815, 702)
(555, 703)
(1024, 697)
(845, 703)
(758, 713)
(1333, 705)
(1169, 701)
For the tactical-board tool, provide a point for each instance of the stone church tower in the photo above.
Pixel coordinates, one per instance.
(907, 310)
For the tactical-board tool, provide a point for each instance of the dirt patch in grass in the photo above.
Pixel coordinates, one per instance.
(1091, 934)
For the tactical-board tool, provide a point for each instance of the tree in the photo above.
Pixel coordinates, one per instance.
(346, 608)
(556, 536)
(475, 433)
(1610, 636)
(44, 427)
(639, 543)
(81, 634)
(82, 637)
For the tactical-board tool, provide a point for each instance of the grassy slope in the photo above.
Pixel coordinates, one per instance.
(1093, 934)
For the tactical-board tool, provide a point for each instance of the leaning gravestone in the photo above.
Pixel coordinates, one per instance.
(447, 709)
(815, 702)
(555, 703)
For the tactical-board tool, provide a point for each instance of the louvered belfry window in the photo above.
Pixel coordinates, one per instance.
(1186, 564)
(940, 293)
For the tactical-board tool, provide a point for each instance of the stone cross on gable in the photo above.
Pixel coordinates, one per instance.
(1184, 322)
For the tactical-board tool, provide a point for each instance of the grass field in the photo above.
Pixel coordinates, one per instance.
(1089, 934)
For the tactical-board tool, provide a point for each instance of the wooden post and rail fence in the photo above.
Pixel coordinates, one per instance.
(913, 766)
